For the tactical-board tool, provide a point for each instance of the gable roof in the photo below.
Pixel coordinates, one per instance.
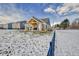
(36, 19)
(46, 20)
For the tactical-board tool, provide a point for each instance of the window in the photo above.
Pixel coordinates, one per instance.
(34, 28)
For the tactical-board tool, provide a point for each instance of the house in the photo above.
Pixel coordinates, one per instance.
(36, 24)
(75, 24)
(33, 24)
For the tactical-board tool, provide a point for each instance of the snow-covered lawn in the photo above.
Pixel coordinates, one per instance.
(16, 43)
(67, 43)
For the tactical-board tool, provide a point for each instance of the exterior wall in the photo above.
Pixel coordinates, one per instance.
(5, 26)
(27, 27)
(49, 27)
(16, 25)
(45, 27)
(40, 26)
(1, 26)
(22, 25)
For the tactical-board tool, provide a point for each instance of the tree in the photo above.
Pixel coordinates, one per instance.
(57, 25)
(65, 24)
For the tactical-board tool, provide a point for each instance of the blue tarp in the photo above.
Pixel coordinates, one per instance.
(52, 47)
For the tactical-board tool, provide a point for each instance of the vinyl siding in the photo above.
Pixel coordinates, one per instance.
(16, 25)
(22, 25)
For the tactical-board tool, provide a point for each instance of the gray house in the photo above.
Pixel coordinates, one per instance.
(33, 24)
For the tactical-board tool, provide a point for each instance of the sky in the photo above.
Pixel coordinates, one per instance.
(56, 12)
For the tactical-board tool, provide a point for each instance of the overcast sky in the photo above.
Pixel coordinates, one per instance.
(56, 12)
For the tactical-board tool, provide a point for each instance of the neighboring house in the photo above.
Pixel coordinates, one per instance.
(75, 24)
(32, 24)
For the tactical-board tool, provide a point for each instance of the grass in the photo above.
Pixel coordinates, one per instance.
(42, 33)
(36, 32)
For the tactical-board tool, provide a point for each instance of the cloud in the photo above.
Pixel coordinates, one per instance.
(9, 13)
(68, 8)
(64, 9)
(55, 23)
(49, 10)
